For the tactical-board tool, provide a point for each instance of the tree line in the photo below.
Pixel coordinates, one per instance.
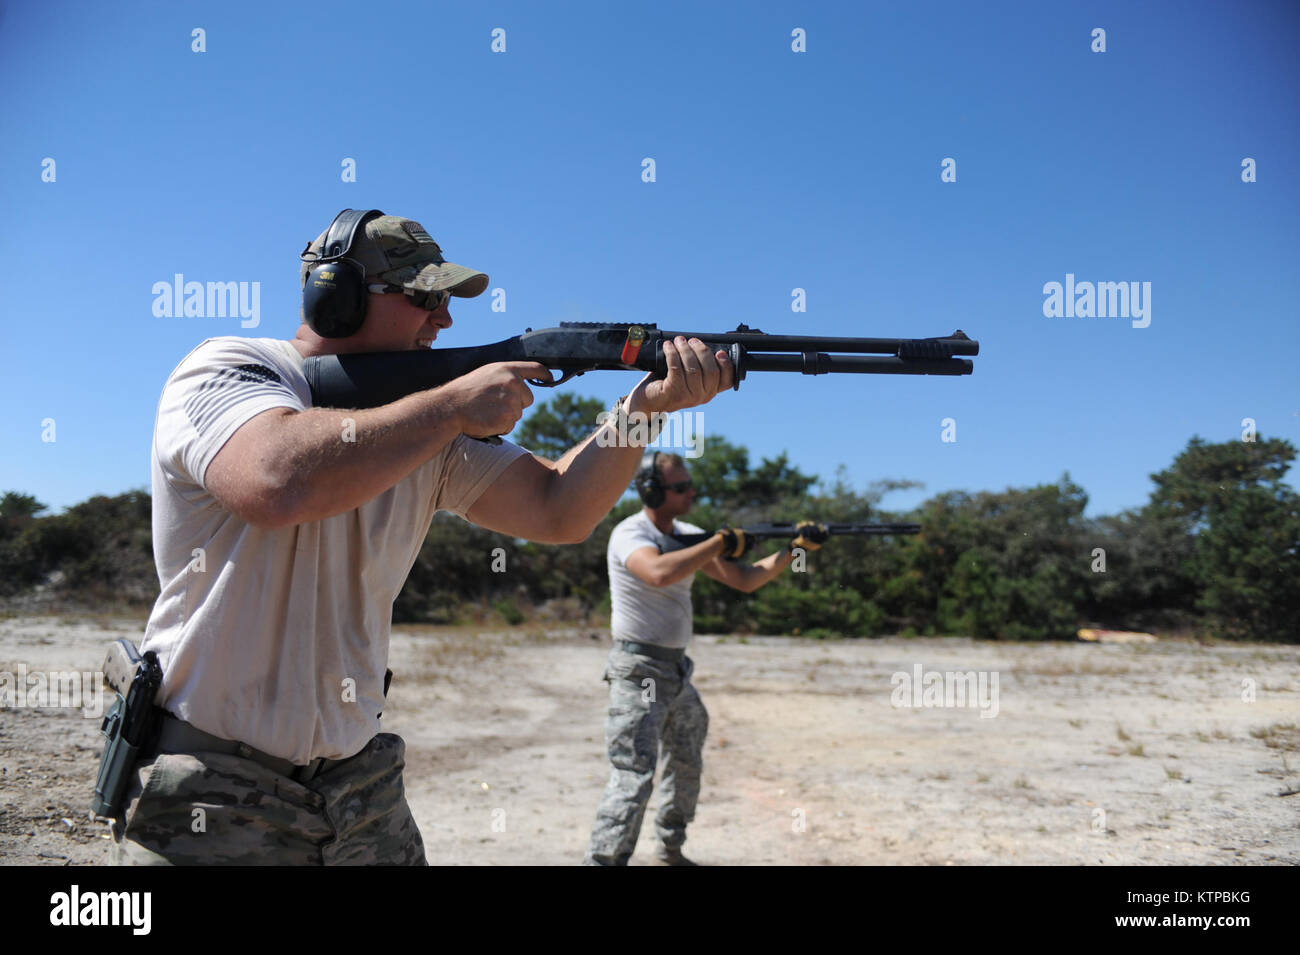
(1215, 551)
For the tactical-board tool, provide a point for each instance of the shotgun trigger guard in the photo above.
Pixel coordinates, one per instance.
(569, 374)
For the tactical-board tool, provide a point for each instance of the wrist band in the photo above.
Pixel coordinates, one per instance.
(619, 417)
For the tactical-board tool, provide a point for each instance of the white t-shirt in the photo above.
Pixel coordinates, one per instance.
(279, 638)
(640, 612)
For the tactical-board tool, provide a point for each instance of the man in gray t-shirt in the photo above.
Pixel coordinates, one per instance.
(283, 533)
(651, 699)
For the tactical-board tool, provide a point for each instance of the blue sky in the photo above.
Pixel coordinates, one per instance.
(775, 170)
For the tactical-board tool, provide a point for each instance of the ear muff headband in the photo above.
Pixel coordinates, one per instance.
(342, 234)
(334, 296)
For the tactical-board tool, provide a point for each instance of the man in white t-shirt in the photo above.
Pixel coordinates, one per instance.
(651, 698)
(283, 533)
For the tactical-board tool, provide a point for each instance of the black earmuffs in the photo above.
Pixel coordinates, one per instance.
(334, 296)
(648, 482)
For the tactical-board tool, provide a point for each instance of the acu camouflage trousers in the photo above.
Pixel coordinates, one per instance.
(652, 704)
(219, 809)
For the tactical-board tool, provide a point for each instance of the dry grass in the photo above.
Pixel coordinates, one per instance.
(1087, 668)
(437, 657)
(1283, 736)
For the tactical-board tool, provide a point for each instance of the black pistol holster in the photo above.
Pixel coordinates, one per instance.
(131, 723)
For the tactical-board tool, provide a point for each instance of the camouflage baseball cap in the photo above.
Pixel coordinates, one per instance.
(399, 251)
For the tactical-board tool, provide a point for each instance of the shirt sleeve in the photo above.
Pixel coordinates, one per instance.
(211, 394)
(629, 538)
(468, 469)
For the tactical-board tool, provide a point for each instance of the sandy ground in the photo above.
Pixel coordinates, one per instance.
(1097, 754)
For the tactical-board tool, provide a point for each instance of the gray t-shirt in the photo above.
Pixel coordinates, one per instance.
(279, 638)
(642, 613)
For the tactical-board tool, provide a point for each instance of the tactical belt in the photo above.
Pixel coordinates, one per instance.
(650, 650)
(178, 736)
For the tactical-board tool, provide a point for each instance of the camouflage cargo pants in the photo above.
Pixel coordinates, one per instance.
(652, 703)
(219, 809)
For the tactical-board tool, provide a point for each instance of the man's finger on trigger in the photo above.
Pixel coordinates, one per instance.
(533, 369)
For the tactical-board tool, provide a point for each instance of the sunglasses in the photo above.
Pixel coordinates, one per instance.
(430, 301)
(681, 487)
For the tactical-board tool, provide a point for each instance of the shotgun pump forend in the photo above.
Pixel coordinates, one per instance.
(574, 348)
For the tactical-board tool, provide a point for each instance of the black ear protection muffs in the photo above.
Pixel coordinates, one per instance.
(334, 297)
(648, 482)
